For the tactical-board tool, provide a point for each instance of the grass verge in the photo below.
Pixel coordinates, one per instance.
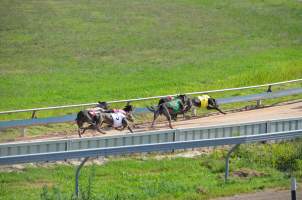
(153, 177)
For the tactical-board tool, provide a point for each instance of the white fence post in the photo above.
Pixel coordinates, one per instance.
(293, 188)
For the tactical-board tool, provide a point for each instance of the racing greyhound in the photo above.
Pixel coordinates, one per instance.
(95, 118)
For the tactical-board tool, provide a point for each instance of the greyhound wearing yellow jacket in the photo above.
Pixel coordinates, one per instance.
(205, 101)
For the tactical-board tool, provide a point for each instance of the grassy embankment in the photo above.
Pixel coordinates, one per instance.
(62, 52)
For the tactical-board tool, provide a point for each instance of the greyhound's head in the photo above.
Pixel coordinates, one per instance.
(129, 109)
(183, 97)
(103, 105)
(186, 101)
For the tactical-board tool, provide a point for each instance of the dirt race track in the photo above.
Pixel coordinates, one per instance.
(281, 111)
(274, 112)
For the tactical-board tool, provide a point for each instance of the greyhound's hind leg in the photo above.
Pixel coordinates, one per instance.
(168, 116)
(156, 114)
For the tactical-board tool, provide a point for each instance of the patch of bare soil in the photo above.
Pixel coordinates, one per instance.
(71, 162)
(247, 173)
(103, 160)
(201, 190)
(185, 154)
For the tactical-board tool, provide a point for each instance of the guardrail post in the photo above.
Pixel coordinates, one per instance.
(23, 131)
(77, 176)
(269, 89)
(259, 103)
(293, 188)
(174, 138)
(34, 114)
(68, 145)
(227, 162)
(268, 127)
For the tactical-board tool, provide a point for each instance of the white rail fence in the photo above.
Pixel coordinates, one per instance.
(71, 117)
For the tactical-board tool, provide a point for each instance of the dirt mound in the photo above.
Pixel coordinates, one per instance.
(247, 173)
(201, 190)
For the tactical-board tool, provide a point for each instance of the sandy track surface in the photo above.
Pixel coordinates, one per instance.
(275, 112)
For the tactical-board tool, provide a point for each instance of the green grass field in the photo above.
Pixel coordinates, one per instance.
(61, 52)
(145, 177)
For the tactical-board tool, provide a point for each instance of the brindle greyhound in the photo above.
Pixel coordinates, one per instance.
(95, 118)
(185, 104)
(166, 107)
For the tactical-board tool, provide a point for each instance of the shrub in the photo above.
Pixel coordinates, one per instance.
(284, 156)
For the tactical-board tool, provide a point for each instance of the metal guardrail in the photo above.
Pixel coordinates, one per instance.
(152, 137)
(71, 117)
(149, 98)
(167, 146)
(261, 96)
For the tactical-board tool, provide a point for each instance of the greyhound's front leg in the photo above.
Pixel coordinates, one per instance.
(99, 130)
(126, 123)
(120, 129)
(79, 132)
(193, 112)
(220, 110)
(84, 129)
(130, 129)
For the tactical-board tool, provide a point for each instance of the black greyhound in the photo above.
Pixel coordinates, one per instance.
(119, 119)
